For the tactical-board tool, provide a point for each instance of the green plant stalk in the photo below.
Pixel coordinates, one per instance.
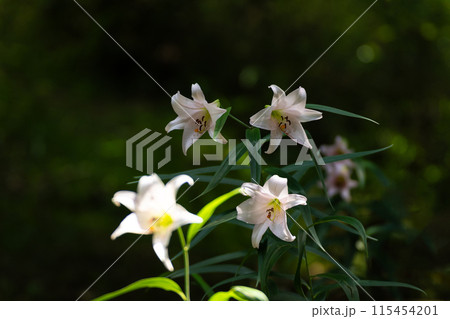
(239, 121)
(186, 264)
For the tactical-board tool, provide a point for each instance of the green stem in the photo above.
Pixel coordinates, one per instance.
(238, 120)
(186, 264)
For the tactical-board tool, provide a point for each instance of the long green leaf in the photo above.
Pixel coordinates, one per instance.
(347, 284)
(352, 221)
(254, 136)
(221, 268)
(156, 282)
(221, 122)
(240, 293)
(335, 158)
(320, 214)
(207, 211)
(338, 111)
(274, 252)
(377, 283)
(224, 168)
(221, 258)
(202, 283)
(220, 220)
(301, 243)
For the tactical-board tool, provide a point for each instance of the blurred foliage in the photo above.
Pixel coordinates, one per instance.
(69, 98)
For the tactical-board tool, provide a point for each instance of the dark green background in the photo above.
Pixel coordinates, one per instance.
(69, 98)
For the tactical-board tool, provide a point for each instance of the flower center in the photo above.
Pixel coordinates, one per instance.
(340, 181)
(283, 121)
(161, 223)
(274, 210)
(202, 123)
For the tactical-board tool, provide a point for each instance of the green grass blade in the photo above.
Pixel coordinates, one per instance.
(203, 284)
(156, 282)
(335, 158)
(224, 168)
(352, 221)
(240, 293)
(377, 283)
(221, 122)
(207, 211)
(338, 111)
(254, 136)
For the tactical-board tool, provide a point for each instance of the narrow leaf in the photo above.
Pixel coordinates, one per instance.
(335, 158)
(377, 283)
(338, 111)
(254, 136)
(221, 122)
(224, 168)
(352, 221)
(207, 211)
(156, 282)
(240, 293)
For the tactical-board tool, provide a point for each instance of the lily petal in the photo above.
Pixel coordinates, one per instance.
(258, 232)
(308, 115)
(292, 200)
(126, 198)
(184, 107)
(182, 217)
(190, 135)
(250, 189)
(160, 243)
(175, 183)
(277, 186)
(215, 111)
(130, 224)
(252, 211)
(149, 183)
(298, 134)
(278, 94)
(296, 99)
(263, 119)
(279, 228)
(275, 139)
(219, 138)
(176, 124)
(197, 94)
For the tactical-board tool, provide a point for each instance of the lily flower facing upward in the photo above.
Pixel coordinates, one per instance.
(285, 115)
(195, 117)
(155, 211)
(338, 181)
(267, 208)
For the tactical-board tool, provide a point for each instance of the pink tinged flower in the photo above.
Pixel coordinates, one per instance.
(155, 211)
(285, 115)
(267, 208)
(195, 117)
(338, 181)
(338, 148)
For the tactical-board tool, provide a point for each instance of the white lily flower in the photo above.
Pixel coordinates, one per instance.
(338, 181)
(195, 117)
(285, 115)
(267, 208)
(155, 211)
